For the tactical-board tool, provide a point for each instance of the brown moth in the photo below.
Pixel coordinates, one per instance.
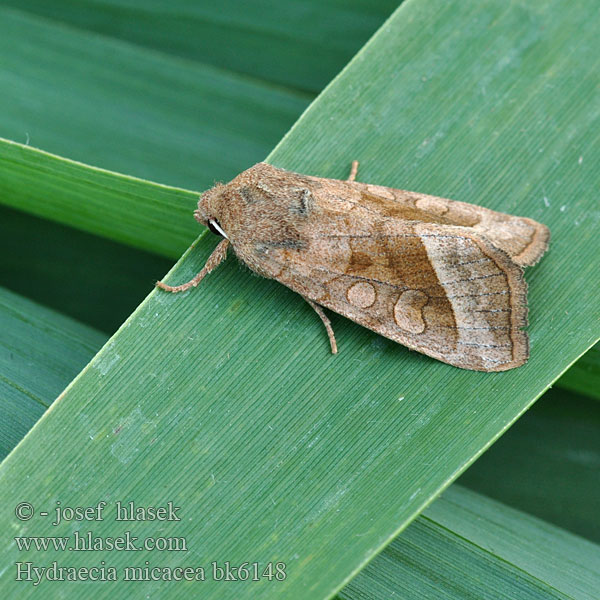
(442, 277)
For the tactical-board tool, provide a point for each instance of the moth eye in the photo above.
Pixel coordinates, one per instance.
(216, 228)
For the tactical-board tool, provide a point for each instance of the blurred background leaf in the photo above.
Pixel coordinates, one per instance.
(140, 112)
(41, 351)
(468, 546)
(298, 44)
(547, 464)
(584, 376)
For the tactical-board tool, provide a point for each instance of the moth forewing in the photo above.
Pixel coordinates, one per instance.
(523, 239)
(445, 291)
(439, 276)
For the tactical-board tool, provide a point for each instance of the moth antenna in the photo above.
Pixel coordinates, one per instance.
(214, 260)
(327, 324)
(353, 171)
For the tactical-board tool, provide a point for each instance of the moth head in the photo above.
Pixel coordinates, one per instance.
(234, 209)
(210, 211)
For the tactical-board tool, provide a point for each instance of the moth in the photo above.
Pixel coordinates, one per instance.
(439, 276)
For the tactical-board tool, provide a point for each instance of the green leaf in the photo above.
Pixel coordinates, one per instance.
(41, 351)
(542, 464)
(298, 44)
(225, 400)
(440, 553)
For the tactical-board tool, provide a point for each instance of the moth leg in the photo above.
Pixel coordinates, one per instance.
(214, 260)
(353, 171)
(327, 324)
